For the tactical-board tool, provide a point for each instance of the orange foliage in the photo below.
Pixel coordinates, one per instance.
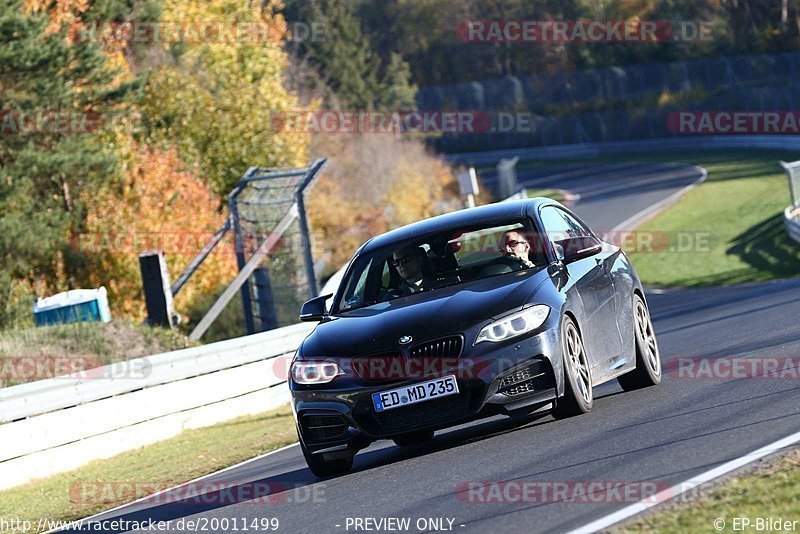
(61, 12)
(374, 183)
(156, 205)
(340, 224)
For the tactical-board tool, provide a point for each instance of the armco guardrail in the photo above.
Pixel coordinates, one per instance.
(791, 217)
(594, 150)
(59, 424)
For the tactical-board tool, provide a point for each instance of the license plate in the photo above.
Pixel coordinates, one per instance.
(406, 395)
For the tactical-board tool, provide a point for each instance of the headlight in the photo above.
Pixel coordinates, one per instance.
(515, 324)
(314, 372)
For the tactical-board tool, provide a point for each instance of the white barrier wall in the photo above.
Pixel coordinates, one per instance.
(791, 218)
(55, 425)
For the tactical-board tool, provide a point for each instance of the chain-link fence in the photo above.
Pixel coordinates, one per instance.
(265, 202)
(273, 249)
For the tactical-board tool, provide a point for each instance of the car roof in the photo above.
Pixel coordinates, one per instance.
(465, 217)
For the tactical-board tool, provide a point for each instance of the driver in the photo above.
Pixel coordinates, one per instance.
(516, 248)
(410, 262)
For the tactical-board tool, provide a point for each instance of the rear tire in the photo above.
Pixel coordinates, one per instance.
(323, 468)
(410, 439)
(577, 398)
(648, 358)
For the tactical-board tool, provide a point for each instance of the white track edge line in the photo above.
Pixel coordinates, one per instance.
(156, 494)
(687, 485)
(661, 204)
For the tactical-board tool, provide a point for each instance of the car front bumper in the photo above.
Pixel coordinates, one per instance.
(492, 378)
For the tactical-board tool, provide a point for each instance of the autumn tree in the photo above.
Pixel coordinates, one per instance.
(373, 183)
(355, 74)
(155, 204)
(219, 101)
(49, 156)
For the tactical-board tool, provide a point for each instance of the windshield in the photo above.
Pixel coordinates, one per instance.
(439, 260)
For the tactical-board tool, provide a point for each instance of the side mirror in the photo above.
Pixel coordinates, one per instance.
(576, 248)
(315, 309)
(559, 251)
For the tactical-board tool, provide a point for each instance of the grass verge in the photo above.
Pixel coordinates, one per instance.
(771, 491)
(727, 230)
(554, 194)
(57, 349)
(190, 454)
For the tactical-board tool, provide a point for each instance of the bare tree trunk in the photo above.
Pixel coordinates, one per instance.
(67, 195)
(784, 14)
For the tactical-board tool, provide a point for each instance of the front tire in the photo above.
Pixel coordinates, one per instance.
(648, 357)
(577, 398)
(323, 468)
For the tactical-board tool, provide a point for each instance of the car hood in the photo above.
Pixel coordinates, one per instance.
(423, 316)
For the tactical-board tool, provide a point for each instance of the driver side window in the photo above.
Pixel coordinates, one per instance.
(555, 226)
(576, 229)
(561, 225)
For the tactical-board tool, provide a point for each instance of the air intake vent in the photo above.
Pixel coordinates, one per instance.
(520, 388)
(533, 378)
(323, 427)
(448, 347)
(519, 376)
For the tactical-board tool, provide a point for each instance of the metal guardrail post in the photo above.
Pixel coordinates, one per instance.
(313, 170)
(157, 292)
(266, 306)
(793, 173)
(507, 176)
(306, 244)
(238, 246)
(791, 215)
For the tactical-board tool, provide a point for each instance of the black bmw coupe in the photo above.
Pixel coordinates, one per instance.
(501, 309)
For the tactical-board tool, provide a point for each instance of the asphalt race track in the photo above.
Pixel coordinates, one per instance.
(609, 193)
(662, 435)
